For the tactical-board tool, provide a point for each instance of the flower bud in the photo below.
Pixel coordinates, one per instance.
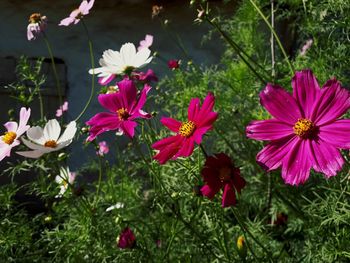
(241, 247)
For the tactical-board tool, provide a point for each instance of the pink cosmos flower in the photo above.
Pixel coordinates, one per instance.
(305, 131)
(127, 239)
(200, 121)
(173, 64)
(78, 14)
(37, 25)
(102, 148)
(219, 172)
(14, 132)
(62, 109)
(124, 107)
(147, 77)
(146, 43)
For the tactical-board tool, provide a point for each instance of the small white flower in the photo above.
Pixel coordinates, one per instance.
(120, 62)
(64, 179)
(116, 206)
(47, 140)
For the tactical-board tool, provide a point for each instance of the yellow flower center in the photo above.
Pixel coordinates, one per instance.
(304, 128)
(123, 114)
(225, 174)
(187, 128)
(35, 18)
(65, 183)
(9, 137)
(51, 144)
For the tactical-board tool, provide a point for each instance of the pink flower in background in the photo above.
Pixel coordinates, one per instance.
(219, 172)
(147, 77)
(37, 25)
(306, 46)
(78, 14)
(146, 43)
(62, 109)
(124, 107)
(127, 239)
(65, 179)
(200, 121)
(102, 148)
(173, 64)
(13, 133)
(305, 131)
(121, 62)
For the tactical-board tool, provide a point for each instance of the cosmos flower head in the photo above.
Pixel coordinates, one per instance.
(219, 173)
(103, 148)
(37, 25)
(174, 64)
(200, 121)
(62, 109)
(64, 179)
(124, 107)
(47, 140)
(76, 15)
(146, 43)
(122, 62)
(305, 131)
(127, 239)
(14, 131)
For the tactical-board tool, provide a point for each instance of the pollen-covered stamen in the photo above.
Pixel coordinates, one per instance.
(187, 128)
(225, 174)
(304, 128)
(9, 137)
(123, 114)
(51, 144)
(35, 18)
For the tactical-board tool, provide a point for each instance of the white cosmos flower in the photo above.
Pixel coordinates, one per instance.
(47, 140)
(119, 62)
(65, 178)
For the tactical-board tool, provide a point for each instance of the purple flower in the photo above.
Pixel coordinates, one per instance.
(305, 131)
(173, 64)
(124, 107)
(37, 25)
(102, 148)
(78, 14)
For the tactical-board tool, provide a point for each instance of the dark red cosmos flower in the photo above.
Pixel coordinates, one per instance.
(127, 239)
(173, 64)
(219, 172)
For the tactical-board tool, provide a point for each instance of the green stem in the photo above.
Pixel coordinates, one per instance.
(238, 50)
(99, 180)
(246, 230)
(275, 35)
(41, 105)
(58, 85)
(93, 75)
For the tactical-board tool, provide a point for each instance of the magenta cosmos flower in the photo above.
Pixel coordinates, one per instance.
(127, 239)
(78, 14)
(305, 131)
(219, 172)
(124, 107)
(200, 120)
(13, 133)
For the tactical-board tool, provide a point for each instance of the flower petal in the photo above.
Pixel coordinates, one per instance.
(268, 130)
(31, 154)
(102, 122)
(306, 91)
(142, 99)
(272, 155)
(229, 196)
(167, 147)
(333, 102)
(128, 93)
(36, 134)
(52, 130)
(193, 109)
(128, 128)
(111, 102)
(209, 191)
(11, 126)
(186, 149)
(336, 133)
(69, 132)
(325, 158)
(280, 104)
(171, 124)
(297, 164)
(105, 80)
